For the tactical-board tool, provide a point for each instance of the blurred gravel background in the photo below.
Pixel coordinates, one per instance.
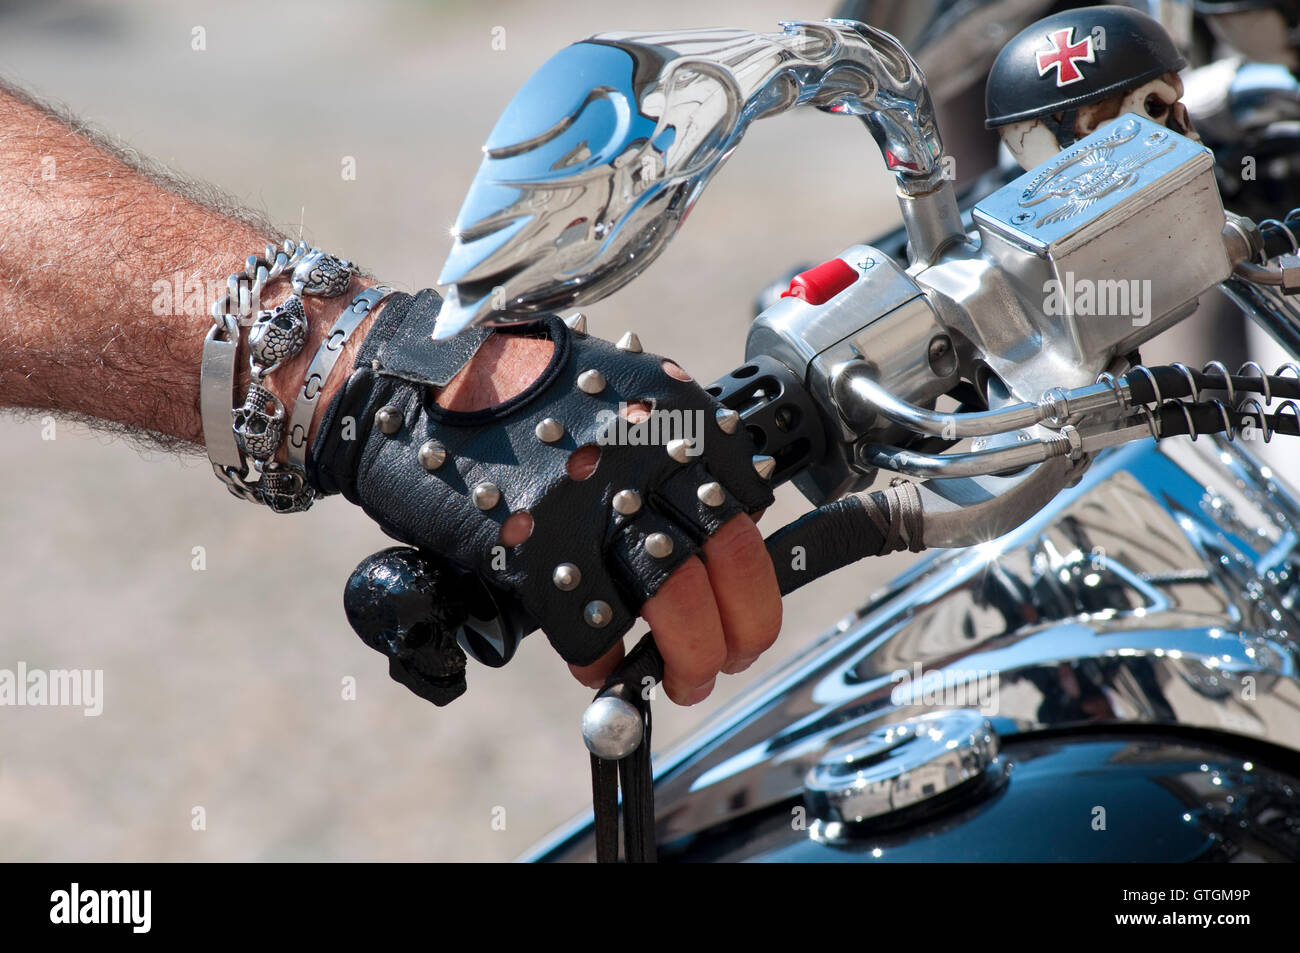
(249, 723)
(97, 540)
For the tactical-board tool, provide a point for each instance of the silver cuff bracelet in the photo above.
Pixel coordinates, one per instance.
(244, 440)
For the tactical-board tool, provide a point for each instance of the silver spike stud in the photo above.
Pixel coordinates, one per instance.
(659, 545)
(591, 382)
(627, 502)
(630, 342)
(727, 419)
(711, 494)
(566, 577)
(388, 419)
(612, 728)
(679, 450)
(549, 430)
(764, 466)
(577, 323)
(598, 613)
(432, 455)
(486, 495)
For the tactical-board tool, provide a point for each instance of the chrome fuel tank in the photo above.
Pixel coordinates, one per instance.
(1158, 596)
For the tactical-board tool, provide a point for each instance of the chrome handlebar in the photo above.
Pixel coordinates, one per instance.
(595, 164)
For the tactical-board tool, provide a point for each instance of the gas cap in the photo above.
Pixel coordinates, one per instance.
(901, 765)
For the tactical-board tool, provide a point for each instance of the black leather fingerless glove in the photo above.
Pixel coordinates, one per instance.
(446, 481)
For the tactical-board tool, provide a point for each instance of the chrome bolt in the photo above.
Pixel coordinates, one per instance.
(727, 419)
(591, 382)
(679, 450)
(659, 545)
(711, 494)
(549, 430)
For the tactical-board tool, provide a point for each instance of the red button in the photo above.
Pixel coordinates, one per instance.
(818, 285)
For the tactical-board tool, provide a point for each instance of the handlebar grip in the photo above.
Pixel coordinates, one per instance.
(777, 412)
(819, 542)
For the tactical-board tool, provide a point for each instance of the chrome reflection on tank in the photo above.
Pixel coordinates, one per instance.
(596, 162)
(1161, 590)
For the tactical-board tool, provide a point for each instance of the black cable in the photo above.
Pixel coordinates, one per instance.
(1176, 418)
(1276, 240)
(1150, 385)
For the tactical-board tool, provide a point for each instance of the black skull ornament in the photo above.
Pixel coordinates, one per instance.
(401, 604)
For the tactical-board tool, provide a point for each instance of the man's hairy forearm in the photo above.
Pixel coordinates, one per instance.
(109, 267)
(87, 237)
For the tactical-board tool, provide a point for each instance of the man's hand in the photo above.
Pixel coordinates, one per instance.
(712, 615)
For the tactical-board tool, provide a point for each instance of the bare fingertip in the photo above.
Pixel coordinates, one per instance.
(701, 693)
(738, 666)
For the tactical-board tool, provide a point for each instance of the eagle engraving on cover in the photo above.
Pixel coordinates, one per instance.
(1084, 176)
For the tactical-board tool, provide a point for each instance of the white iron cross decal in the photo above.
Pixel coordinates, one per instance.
(1063, 56)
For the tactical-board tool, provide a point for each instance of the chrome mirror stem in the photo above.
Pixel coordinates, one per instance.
(597, 161)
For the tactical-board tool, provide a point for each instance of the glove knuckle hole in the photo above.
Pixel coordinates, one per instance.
(517, 528)
(674, 370)
(635, 411)
(582, 462)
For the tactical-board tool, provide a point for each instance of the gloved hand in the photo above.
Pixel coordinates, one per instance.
(526, 475)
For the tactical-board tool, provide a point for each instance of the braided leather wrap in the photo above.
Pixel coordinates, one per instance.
(574, 521)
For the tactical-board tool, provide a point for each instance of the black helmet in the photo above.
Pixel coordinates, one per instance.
(1074, 58)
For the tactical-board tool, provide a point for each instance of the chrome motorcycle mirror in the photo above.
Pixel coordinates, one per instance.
(597, 161)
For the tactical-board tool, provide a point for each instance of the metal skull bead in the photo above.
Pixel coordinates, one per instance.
(278, 334)
(284, 489)
(259, 423)
(322, 274)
